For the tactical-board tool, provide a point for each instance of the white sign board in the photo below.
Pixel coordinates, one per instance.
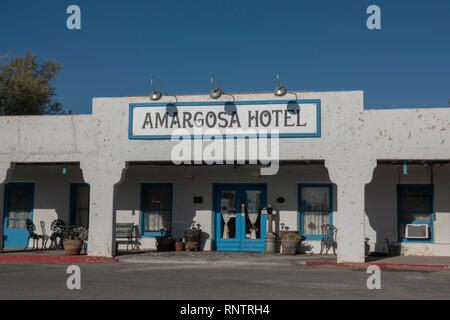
(289, 118)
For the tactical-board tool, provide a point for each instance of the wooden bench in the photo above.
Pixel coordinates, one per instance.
(124, 231)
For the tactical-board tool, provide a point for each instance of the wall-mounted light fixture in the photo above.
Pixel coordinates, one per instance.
(405, 167)
(64, 171)
(156, 94)
(216, 91)
(279, 90)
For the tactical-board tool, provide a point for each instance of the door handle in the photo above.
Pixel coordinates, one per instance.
(243, 209)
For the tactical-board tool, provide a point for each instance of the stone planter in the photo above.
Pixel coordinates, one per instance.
(73, 247)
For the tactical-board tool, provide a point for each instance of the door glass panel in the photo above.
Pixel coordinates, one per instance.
(228, 213)
(19, 207)
(253, 214)
(315, 209)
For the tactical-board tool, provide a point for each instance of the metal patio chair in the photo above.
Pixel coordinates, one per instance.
(33, 235)
(328, 240)
(45, 236)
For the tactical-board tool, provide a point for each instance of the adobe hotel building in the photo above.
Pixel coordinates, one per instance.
(379, 176)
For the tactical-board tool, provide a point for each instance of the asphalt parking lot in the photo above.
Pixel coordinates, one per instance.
(192, 282)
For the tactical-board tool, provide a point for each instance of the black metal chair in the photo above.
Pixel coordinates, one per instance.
(328, 238)
(33, 235)
(58, 230)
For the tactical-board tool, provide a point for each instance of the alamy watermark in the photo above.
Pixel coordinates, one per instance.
(234, 146)
(374, 281)
(74, 280)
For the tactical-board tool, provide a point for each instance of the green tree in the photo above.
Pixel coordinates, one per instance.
(25, 86)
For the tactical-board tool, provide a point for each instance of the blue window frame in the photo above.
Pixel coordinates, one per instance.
(156, 209)
(415, 206)
(315, 208)
(79, 204)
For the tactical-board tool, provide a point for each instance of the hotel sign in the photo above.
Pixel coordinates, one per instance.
(289, 118)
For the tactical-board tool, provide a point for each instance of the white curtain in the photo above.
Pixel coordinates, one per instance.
(315, 209)
(157, 209)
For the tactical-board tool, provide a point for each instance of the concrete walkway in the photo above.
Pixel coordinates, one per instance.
(276, 259)
(223, 258)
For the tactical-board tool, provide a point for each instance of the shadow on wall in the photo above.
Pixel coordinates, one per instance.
(381, 202)
(185, 210)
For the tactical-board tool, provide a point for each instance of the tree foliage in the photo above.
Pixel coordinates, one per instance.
(25, 86)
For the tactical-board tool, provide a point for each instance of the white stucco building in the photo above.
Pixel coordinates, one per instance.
(371, 173)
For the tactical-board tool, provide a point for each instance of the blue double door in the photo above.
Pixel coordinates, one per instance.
(240, 221)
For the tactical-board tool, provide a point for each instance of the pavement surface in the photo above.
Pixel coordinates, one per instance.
(219, 281)
(220, 258)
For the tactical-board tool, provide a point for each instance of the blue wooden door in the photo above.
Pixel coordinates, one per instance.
(239, 223)
(18, 208)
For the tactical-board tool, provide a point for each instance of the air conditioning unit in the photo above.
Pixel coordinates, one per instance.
(416, 231)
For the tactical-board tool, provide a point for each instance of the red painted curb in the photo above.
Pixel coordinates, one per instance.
(52, 259)
(390, 265)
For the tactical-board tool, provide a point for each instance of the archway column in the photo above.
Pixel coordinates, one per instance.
(102, 176)
(4, 167)
(350, 177)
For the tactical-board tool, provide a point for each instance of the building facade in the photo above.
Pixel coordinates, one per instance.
(382, 177)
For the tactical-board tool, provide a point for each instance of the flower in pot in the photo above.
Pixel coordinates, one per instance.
(165, 241)
(74, 240)
(290, 241)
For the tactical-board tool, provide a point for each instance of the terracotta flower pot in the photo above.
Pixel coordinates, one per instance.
(73, 247)
(179, 246)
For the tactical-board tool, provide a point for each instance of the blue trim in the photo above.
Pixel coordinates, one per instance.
(15, 238)
(239, 243)
(220, 103)
(300, 207)
(155, 234)
(428, 222)
(73, 187)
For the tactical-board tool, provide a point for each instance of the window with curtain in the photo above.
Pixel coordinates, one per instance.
(315, 208)
(157, 208)
(81, 206)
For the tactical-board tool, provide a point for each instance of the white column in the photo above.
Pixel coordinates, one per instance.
(350, 177)
(4, 166)
(101, 177)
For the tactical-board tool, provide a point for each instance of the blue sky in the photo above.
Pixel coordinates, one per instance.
(316, 45)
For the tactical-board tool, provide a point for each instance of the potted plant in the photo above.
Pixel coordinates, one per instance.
(74, 240)
(290, 241)
(179, 245)
(192, 237)
(164, 242)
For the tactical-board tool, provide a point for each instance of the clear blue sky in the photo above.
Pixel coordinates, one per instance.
(315, 45)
